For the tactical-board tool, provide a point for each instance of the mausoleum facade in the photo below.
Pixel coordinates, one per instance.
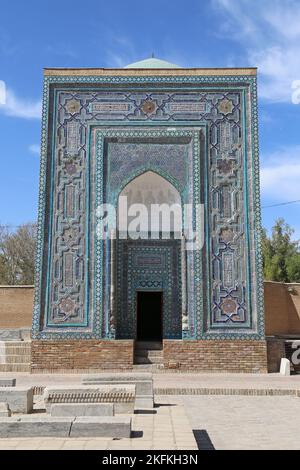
(151, 134)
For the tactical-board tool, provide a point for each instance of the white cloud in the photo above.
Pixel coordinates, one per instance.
(19, 107)
(34, 148)
(120, 50)
(2, 92)
(280, 175)
(269, 32)
(279, 68)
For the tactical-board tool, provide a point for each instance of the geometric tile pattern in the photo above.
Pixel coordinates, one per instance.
(149, 265)
(224, 297)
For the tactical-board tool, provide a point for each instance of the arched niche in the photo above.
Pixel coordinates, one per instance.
(150, 204)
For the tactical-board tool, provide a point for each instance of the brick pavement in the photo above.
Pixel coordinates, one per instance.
(166, 429)
(240, 422)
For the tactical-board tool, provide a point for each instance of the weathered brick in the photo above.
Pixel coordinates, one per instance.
(216, 355)
(81, 355)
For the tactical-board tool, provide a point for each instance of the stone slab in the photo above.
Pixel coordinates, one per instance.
(4, 410)
(123, 396)
(285, 367)
(7, 382)
(144, 402)
(121, 408)
(143, 382)
(101, 427)
(82, 409)
(30, 426)
(50, 426)
(19, 399)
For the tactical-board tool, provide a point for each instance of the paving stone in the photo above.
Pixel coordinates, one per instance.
(82, 409)
(94, 444)
(95, 426)
(7, 447)
(50, 446)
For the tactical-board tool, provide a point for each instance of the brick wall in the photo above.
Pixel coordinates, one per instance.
(216, 355)
(16, 305)
(79, 355)
(282, 308)
(89, 355)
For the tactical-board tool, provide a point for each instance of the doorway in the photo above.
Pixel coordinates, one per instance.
(149, 316)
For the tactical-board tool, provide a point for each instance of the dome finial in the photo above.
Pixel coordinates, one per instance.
(152, 55)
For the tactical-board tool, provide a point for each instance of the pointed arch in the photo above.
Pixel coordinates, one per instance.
(132, 176)
(152, 202)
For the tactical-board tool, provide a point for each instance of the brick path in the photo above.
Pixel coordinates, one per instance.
(239, 422)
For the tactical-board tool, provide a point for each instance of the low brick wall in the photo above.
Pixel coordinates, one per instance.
(207, 355)
(216, 355)
(282, 308)
(16, 305)
(80, 355)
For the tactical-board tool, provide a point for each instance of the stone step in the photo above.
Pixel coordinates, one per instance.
(17, 367)
(147, 367)
(149, 353)
(147, 360)
(148, 345)
(15, 359)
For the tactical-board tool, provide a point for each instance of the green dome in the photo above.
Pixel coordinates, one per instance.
(152, 63)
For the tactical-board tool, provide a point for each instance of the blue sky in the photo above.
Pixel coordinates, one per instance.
(207, 33)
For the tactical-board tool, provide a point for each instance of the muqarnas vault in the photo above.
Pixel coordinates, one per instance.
(190, 135)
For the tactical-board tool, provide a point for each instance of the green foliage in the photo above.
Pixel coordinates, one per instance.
(293, 268)
(281, 256)
(17, 251)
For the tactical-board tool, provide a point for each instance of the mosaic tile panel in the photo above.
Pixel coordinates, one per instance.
(145, 266)
(69, 261)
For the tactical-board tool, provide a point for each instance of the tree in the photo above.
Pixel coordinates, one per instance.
(293, 268)
(17, 252)
(281, 257)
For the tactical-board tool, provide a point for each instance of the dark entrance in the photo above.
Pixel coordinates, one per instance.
(149, 316)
